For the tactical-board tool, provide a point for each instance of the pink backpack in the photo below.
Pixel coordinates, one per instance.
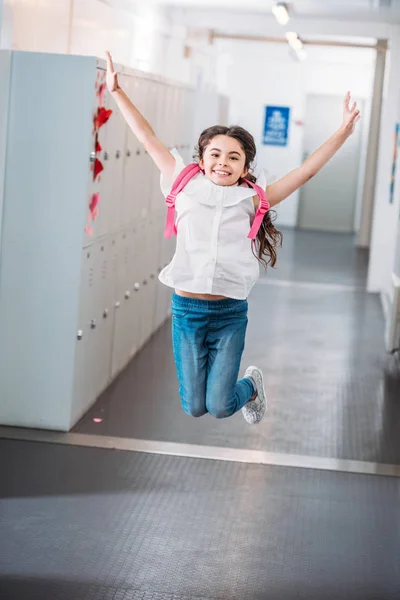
(183, 179)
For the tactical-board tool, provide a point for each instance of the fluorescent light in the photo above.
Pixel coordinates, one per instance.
(281, 13)
(296, 44)
(294, 40)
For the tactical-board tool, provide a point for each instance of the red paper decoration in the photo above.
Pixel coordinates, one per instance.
(102, 117)
(98, 168)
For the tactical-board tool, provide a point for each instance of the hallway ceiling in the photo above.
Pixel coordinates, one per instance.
(368, 10)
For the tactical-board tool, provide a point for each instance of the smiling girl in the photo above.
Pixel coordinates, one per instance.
(224, 232)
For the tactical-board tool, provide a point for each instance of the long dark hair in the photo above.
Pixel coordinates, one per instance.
(268, 237)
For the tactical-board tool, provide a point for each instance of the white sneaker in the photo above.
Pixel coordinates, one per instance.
(254, 410)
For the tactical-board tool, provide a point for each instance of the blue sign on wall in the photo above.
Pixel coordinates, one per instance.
(276, 125)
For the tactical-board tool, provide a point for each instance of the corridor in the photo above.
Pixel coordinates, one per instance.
(142, 502)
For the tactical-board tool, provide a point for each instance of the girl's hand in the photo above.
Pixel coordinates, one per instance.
(351, 116)
(112, 76)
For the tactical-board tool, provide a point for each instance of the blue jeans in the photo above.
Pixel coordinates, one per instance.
(208, 342)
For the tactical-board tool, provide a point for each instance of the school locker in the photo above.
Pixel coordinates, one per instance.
(81, 252)
(132, 145)
(84, 389)
(123, 301)
(95, 193)
(103, 314)
(113, 157)
(133, 324)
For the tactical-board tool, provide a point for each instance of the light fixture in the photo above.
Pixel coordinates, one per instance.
(296, 44)
(281, 12)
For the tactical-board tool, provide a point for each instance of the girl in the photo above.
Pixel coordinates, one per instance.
(225, 231)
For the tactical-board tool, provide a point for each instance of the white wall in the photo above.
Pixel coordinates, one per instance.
(386, 216)
(142, 37)
(385, 229)
(273, 77)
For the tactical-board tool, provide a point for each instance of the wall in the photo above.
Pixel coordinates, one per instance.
(275, 78)
(386, 214)
(142, 37)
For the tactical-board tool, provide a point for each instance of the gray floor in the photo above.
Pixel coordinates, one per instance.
(81, 523)
(92, 524)
(333, 391)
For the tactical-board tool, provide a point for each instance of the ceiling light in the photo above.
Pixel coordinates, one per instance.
(294, 40)
(281, 13)
(296, 45)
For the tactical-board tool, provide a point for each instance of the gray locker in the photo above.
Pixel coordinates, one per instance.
(123, 304)
(75, 307)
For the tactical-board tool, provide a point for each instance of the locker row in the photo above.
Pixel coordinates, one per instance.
(128, 188)
(122, 303)
(75, 307)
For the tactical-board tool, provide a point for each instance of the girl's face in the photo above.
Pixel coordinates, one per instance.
(224, 160)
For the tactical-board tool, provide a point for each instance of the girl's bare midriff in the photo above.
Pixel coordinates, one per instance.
(199, 296)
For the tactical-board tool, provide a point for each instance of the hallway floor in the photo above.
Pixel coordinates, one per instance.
(106, 523)
(317, 335)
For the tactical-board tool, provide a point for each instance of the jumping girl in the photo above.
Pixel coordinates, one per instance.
(224, 232)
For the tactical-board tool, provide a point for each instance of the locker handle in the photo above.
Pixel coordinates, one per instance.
(117, 304)
(144, 281)
(128, 152)
(117, 154)
(93, 324)
(79, 335)
(106, 155)
(152, 276)
(137, 152)
(127, 294)
(105, 313)
(136, 287)
(92, 157)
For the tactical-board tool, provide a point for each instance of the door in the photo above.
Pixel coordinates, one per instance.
(328, 201)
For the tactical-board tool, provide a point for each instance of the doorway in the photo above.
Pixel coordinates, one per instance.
(328, 201)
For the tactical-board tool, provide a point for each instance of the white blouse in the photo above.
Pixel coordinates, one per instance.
(213, 253)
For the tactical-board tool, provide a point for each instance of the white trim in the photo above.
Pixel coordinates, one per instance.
(328, 287)
(202, 452)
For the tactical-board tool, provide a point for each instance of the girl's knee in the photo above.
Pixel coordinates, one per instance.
(221, 412)
(194, 411)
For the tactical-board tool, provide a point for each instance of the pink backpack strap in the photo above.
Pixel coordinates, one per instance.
(263, 207)
(180, 182)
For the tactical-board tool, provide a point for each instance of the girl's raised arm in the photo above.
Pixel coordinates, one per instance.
(138, 124)
(291, 182)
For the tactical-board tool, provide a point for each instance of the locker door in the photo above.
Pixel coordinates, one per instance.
(148, 296)
(153, 245)
(124, 300)
(130, 166)
(112, 154)
(141, 181)
(140, 262)
(136, 278)
(159, 287)
(103, 314)
(160, 118)
(169, 105)
(84, 384)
